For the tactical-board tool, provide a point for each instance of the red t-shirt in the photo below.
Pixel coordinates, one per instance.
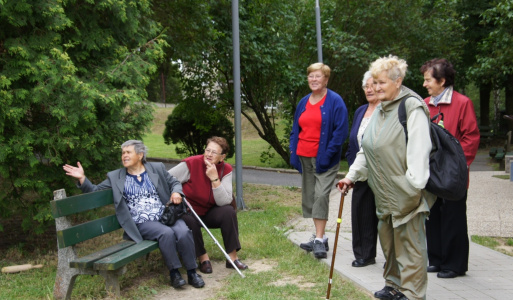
(310, 123)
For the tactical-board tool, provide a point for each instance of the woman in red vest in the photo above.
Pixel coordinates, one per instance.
(207, 185)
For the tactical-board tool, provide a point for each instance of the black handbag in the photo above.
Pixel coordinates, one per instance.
(173, 212)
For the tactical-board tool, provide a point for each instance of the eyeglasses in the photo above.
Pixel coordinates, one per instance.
(368, 86)
(209, 151)
(315, 76)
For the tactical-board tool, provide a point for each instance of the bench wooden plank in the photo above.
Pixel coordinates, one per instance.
(121, 258)
(492, 151)
(85, 231)
(86, 262)
(80, 203)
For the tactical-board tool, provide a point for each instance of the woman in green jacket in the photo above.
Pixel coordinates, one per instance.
(397, 175)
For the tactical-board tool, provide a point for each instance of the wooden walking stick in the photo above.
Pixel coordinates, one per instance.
(339, 220)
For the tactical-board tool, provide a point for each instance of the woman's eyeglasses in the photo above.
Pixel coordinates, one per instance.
(315, 76)
(209, 151)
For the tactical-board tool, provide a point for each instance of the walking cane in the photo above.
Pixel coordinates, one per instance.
(212, 236)
(339, 220)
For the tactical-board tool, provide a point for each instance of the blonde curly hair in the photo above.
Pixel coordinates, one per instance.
(393, 65)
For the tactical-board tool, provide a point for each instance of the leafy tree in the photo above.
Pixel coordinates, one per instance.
(475, 32)
(191, 124)
(278, 42)
(495, 58)
(72, 79)
(165, 86)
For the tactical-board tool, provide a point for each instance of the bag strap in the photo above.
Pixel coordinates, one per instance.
(402, 117)
(401, 112)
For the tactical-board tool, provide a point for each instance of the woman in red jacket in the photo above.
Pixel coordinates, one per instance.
(446, 227)
(207, 185)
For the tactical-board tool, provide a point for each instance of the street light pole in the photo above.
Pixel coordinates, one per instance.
(237, 103)
(318, 29)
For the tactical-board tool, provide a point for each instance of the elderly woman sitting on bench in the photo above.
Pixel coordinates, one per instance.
(207, 185)
(140, 191)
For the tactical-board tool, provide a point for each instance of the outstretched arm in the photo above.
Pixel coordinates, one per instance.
(76, 172)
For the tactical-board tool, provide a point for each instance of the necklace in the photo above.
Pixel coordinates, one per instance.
(138, 176)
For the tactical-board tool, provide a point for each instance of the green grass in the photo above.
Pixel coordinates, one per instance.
(500, 244)
(485, 241)
(252, 145)
(262, 233)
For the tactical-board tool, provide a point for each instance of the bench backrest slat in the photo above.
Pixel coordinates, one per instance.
(85, 231)
(79, 203)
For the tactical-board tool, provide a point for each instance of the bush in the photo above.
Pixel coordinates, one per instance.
(72, 82)
(190, 125)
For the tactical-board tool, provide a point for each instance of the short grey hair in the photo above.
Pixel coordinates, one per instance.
(366, 77)
(139, 147)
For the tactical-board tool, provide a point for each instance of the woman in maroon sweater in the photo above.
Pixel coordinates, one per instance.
(207, 185)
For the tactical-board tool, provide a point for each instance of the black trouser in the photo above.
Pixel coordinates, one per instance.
(224, 217)
(447, 235)
(364, 222)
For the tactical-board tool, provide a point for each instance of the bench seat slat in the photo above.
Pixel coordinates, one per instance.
(80, 203)
(86, 262)
(123, 257)
(85, 231)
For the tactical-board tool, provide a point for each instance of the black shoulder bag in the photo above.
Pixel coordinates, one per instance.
(173, 212)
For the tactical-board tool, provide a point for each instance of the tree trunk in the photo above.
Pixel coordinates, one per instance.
(509, 100)
(484, 104)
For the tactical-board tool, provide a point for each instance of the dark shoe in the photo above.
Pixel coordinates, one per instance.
(448, 274)
(195, 280)
(384, 293)
(309, 246)
(240, 265)
(360, 262)
(433, 269)
(397, 295)
(177, 280)
(206, 267)
(319, 250)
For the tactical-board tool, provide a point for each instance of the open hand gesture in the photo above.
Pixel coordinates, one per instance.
(76, 172)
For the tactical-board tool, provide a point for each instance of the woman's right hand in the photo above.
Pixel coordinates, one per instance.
(344, 185)
(76, 172)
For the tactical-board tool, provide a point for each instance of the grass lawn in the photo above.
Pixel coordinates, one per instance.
(262, 229)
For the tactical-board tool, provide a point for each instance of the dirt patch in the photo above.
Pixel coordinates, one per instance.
(298, 281)
(213, 282)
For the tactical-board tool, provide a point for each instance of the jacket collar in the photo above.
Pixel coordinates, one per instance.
(154, 177)
(446, 98)
(404, 92)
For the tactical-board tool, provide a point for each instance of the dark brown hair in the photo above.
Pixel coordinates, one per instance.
(221, 142)
(440, 68)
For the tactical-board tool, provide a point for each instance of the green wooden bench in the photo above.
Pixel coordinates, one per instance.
(487, 134)
(109, 262)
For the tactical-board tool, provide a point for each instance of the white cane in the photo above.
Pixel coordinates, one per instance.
(217, 243)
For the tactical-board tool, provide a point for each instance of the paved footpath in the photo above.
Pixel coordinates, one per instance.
(490, 274)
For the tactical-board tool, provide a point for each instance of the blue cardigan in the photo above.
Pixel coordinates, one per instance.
(353, 148)
(334, 130)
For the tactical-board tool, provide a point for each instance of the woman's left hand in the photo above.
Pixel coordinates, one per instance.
(211, 170)
(176, 198)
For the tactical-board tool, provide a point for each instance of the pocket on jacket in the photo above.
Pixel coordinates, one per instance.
(406, 196)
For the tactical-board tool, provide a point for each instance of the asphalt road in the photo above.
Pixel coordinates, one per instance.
(263, 176)
(286, 177)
